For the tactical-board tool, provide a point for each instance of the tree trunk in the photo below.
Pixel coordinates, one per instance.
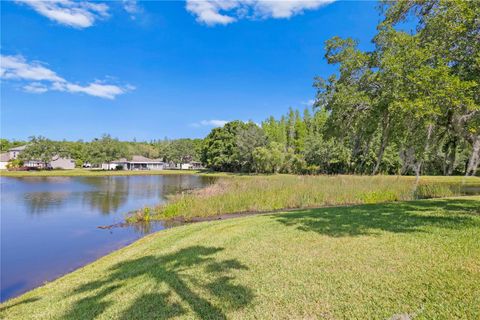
(452, 158)
(365, 153)
(417, 167)
(385, 134)
(418, 164)
(474, 160)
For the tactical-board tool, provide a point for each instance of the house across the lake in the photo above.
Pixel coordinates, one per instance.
(192, 165)
(15, 152)
(4, 158)
(11, 154)
(56, 163)
(136, 163)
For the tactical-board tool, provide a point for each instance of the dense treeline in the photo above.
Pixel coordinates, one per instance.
(411, 105)
(107, 149)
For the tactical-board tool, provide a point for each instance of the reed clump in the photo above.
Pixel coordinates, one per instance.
(241, 194)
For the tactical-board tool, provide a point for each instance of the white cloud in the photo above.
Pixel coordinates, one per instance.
(210, 123)
(40, 79)
(208, 11)
(16, 67)
(213, 12)
(132, 7)
(96, 89)
(35, 87)
(77, 14)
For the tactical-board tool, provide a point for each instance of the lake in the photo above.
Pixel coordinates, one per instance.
(49, 225)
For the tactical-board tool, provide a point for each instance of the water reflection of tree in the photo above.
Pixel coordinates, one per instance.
(52, 195)
(43, 202)
(109, 195)
(143, 227)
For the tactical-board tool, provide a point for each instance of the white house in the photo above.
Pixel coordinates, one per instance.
(192, 165)
(4, 158)
(136, 163)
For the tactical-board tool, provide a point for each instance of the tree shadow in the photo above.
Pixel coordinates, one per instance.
(26, 301)
(220, 292)
(397, 217)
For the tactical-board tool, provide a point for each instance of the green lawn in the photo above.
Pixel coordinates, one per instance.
(420, 258)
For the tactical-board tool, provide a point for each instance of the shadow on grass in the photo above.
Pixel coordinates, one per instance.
(220, 294)
(399, 217)
(26, 301)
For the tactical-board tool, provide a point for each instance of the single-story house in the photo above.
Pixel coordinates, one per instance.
(192, 165)
(63, 163)
(56, 163)
(136, 163)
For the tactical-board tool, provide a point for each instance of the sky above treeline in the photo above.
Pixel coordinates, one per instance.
(155, 69)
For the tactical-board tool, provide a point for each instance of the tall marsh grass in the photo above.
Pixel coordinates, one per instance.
(268, 193)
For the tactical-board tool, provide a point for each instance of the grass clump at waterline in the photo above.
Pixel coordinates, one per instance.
(419, 259)
(268, 193)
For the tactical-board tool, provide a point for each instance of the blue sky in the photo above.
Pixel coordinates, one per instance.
(155, 69)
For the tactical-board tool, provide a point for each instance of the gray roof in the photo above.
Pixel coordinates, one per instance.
(19, 148)
(138, 159)
(4, 157)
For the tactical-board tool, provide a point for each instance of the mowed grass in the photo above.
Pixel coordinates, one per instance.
(277, 192)
(377, 261)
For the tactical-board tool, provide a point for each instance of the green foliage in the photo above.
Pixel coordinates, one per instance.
(330, 156)
(105, 150)
(249, 138)
(182, 150)
(14, 164)
(43, 150)
(269, 159)
(219, 150)
(6, 144)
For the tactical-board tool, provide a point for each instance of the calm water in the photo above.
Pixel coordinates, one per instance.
(49, 224)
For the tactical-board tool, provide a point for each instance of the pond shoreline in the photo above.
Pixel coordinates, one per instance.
(52, 222)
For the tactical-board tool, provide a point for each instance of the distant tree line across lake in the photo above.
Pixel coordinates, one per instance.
(106, 149)
(409, 106)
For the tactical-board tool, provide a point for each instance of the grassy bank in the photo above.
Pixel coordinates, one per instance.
(267, 193)
(419, 258)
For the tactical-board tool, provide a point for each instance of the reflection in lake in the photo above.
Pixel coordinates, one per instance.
(49, 224)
